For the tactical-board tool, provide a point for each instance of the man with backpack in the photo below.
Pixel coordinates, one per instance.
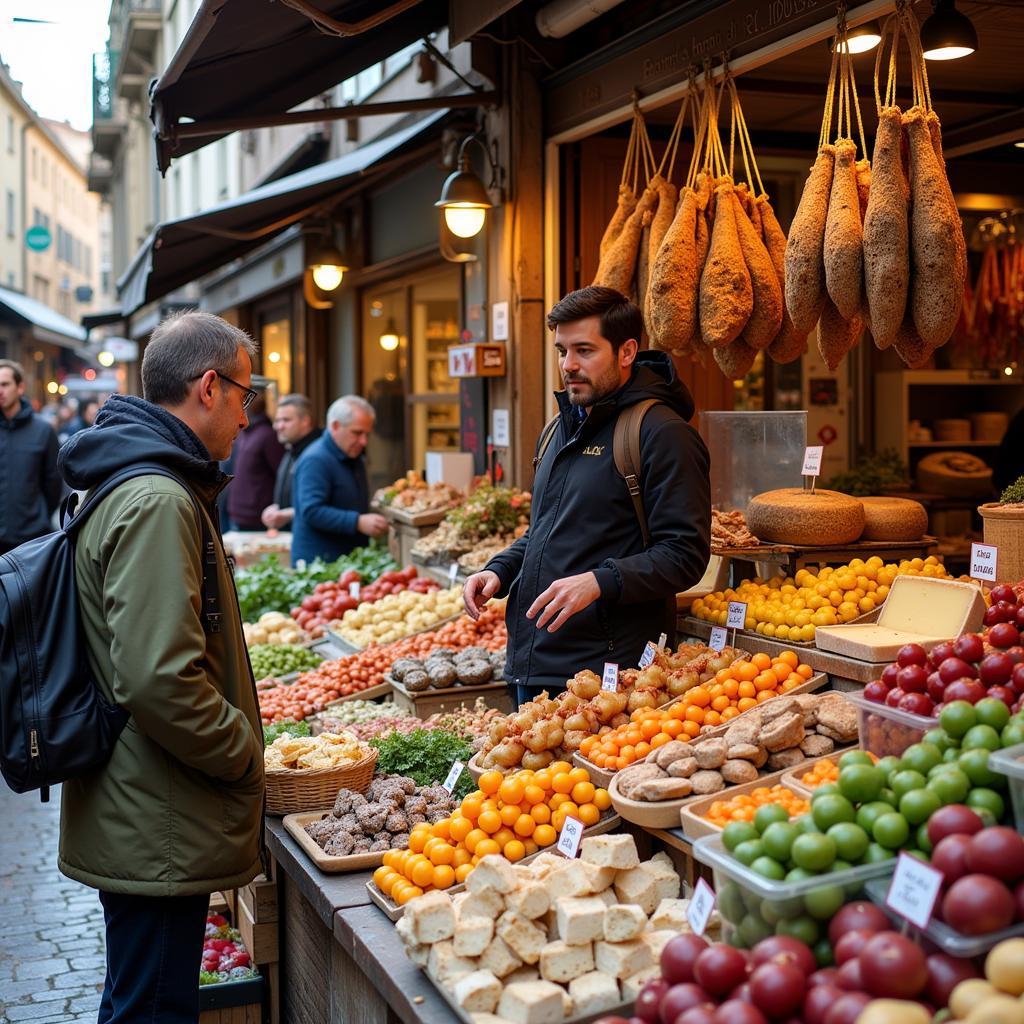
(176, 811)
(621, 511)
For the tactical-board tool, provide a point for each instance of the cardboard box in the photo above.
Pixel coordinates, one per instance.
(452, 468)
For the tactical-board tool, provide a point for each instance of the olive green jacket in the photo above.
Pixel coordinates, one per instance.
(178, 808)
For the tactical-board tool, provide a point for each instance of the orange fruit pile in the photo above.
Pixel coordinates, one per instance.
(743, 806)
(738, 688)
(514, 815)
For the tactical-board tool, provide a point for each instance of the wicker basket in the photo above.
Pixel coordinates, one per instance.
(292, 791)
(1004, 527)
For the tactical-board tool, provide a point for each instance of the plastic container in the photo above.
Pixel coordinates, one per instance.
(754, 907)
(884, 730)
(949, 941)
(1010, 762)
(752, 452)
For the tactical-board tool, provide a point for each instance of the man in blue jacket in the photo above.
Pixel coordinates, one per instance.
(30, 485)
(331, 494)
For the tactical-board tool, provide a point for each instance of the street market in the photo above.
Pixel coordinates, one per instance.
(641, 638)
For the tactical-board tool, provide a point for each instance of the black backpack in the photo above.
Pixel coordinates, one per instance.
(54, 722)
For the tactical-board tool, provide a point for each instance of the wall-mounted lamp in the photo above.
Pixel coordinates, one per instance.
(464, 198)
(328, 267)
(389, 340)
(948, 34)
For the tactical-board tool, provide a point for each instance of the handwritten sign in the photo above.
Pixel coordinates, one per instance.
(453, 777)
(719, 638)
(737, 614)
(453, 571)
(984, 559)
(570, 837)
(702, 903)
(354, 590)
(812, 460)
(915, 888)
(610, 679)
(648, 656)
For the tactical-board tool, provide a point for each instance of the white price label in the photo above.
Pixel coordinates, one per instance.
(984, 559)
(812, 460)
(610, 679)
(915, 888)
(702, 902)
(570, 837)
(737, 614)
(453, 571)
(648, 656)
(719, 638)
(453, 777)
(663, 639)
(353, 590)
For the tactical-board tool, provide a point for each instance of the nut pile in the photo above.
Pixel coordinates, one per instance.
(382, 819)
(445, 667)
(781, 735)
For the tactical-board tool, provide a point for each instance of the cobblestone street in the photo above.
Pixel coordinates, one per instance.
(51, 928)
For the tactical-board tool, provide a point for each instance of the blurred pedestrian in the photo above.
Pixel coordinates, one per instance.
(88, 413)
(331, 494)
(293, 424)
(176, 813)
(30, 486)
(257, 455)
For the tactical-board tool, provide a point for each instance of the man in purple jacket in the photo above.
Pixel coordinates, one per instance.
(257, 454)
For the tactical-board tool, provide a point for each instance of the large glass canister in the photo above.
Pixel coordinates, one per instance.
(752, 452)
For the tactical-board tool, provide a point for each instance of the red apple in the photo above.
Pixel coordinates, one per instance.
(876, 691)
(916, 704)
(995, 669)
(956, 668)
(1017, 679)
(1015, 653)
(913, 678)
(911, 654)
(1003, 693)
(894, 696)
(1002, 592)
(940, 652)
(1004, 635)
(969, 647)
(969, 690)
(889, 674)
(936, 688)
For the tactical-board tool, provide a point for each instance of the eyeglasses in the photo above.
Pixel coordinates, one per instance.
(250, 394)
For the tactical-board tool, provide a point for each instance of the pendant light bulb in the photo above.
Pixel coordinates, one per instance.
(948, 34)
(862, 38)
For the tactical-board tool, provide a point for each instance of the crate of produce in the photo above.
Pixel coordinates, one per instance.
(232, 1002)
(696, 817)
(808, 776)
(433, 701)
(230, 989)
(260, 899)
(886, 731)
(754, 906)
(1010, 762)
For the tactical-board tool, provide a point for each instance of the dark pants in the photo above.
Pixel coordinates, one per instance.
(154, 951)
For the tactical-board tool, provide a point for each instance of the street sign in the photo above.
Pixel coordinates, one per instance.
(38, 238)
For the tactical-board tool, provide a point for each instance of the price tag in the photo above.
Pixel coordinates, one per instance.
(719, 638)
(453, 571)
(570, 837)
(353, 590)
(453, 777)
(300, 564)
(915, 888)
(610, 679)
(702, 902)
(663, 639)
(648, 656)
(812, 460)
(737, 614)
(984, 558)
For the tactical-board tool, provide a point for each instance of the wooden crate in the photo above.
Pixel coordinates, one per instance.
(431, 702)
(260, 899)
(238, 1002)
(260, 939)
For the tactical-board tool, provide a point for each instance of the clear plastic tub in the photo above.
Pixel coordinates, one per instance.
(884, 730)
(940, 934)
(1010, 762)
(754, 907)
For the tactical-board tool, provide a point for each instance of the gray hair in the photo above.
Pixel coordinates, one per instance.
(342, 410)
(183, 347)
(300, 403)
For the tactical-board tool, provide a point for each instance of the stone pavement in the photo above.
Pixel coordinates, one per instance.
(51, 928)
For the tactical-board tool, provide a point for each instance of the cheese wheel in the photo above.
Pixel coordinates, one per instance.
(893, 519)
(956, 474)
(795, 516)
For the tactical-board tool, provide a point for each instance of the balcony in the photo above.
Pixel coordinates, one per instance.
(142, 22)
(100, 174)
(106, 125)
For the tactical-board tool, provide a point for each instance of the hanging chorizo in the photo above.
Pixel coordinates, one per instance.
(805, 266)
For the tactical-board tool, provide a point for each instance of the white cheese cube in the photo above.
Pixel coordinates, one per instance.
(671, 913)
(473, 935)
(562, 962)
(567, 1004)
(528, 972)
(593, 993)
(419, 954)
(571, 879)
(622, 922)
(431, 917)
(405, 931)
(478, 992)
(666, 878)
(532, 1002)
(499, 959)
(493, 872)
(487, 1018)
(599, 878)
(656, 941)
(621, 959)
(580, 919)
(637, 886)
(631, 986)
(482, 904)
(529, 900)
(609, 898)
(610, 852)
(444, 966)
(522, 936)
(551, 922)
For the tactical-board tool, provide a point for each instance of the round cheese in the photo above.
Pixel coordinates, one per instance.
(956, 474)
(893, 519)
(795, 516)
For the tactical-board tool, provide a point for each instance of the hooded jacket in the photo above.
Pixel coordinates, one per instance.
(177, 810)
(29, 482)
(583, 519)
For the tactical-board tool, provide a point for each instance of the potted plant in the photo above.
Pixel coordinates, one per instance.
(1004, 528)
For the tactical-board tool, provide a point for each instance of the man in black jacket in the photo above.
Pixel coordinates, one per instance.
(582, 588)
(30, 486)
(293, 424)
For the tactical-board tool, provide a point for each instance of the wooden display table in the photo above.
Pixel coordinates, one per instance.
(405, 530)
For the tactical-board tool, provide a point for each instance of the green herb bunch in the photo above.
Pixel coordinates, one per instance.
(426, 756)
(491, 510)
(1014, 494)
(285, 728)
(873, 474)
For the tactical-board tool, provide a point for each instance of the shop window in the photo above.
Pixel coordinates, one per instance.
(385, 375)
(276, 351)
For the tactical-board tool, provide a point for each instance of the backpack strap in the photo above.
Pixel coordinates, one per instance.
(545, 439)
(626, 453)
(71, 520)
